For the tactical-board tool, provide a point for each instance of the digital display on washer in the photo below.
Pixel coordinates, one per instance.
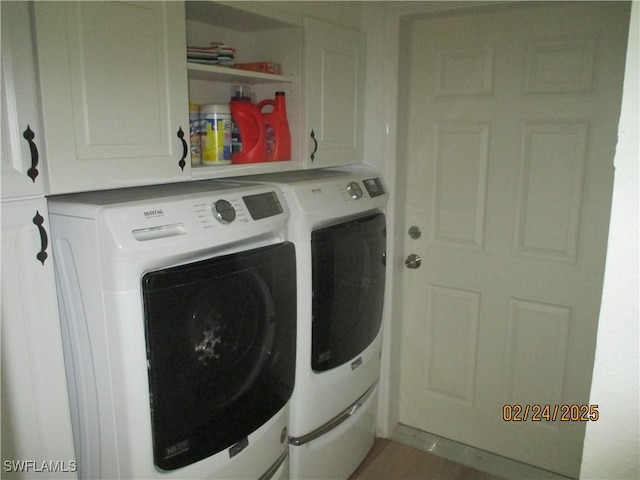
(374, 187)
(263, 205)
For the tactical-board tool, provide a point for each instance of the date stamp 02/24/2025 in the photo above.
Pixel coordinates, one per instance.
(550, 413)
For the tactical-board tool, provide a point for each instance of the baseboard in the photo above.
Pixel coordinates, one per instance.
(472, 457)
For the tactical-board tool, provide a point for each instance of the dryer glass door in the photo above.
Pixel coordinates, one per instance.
(220, 349)
(348, 272)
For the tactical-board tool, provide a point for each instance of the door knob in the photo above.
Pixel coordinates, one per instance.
(413, 261)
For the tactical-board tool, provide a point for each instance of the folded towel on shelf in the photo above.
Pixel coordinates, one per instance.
(216, 54)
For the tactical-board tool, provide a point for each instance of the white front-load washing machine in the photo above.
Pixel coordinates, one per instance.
(338, 227)
(178, 312)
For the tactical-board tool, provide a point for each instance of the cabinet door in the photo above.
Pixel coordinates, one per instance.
(334, 69)
(114, 93)
(36, 423)
(22, 135)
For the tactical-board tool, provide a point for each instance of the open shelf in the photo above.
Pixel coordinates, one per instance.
(201, 172)
(259, 32)
(217, 73)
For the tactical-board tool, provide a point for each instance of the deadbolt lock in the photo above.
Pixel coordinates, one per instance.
(415, 232)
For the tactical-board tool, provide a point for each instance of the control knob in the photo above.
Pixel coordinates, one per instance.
(224, 211)
(354, 190)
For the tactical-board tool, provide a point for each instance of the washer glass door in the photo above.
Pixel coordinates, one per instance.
(221, 350)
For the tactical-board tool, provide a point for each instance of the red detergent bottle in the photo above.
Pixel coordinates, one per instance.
(278, 137)
(247, 117)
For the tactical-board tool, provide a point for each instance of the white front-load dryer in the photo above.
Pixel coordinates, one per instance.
(338, 227)
(178, 310)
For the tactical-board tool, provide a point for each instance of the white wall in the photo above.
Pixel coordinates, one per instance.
(611, 444)
(345, 13)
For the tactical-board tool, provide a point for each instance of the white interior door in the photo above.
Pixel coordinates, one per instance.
(511, 130)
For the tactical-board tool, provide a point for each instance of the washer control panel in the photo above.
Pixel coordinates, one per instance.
(223, 211)
(135, 216)
(240, 209)
(263, 205)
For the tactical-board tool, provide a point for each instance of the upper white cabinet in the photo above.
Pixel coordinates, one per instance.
(22, 134)
(114, 93)
(334, 73)
(115, 88)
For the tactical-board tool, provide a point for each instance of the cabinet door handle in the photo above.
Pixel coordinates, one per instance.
(182, 163)
(44, 240)
(315, 145)
(28, 135)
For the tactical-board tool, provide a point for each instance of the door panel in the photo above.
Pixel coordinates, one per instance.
(511, 131)
(551, 189)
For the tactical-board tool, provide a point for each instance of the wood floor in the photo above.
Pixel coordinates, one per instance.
(389, 460)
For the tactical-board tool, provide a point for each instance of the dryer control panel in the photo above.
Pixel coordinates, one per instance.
(356, 189)
(333, 195)
(374, 186)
